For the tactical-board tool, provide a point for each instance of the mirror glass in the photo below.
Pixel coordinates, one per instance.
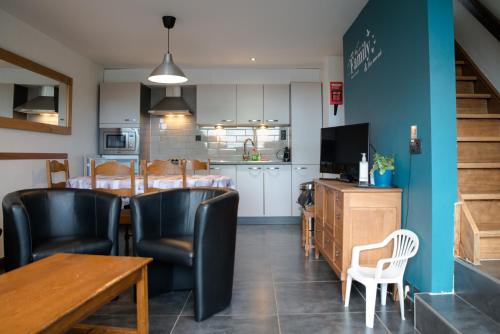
(32, 98)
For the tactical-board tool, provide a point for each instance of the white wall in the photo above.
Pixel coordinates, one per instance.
(221, 75)
(20, 38)
(478, 42)
(6, 100)
(333, 70)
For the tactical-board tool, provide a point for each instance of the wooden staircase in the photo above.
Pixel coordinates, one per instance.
(477, 218)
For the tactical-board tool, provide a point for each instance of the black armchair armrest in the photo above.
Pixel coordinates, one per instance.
(107, 217)
(214, 248)
(18, 246)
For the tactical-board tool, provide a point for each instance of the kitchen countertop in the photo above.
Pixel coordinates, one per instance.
(227, 162)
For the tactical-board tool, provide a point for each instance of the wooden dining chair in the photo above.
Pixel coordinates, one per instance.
(162, 168)
(113, 168)
(197, 165)
(54, 166)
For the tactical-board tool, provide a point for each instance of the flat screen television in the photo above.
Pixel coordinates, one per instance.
(341, 149)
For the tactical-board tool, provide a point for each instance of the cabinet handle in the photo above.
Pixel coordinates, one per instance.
(273, 168)
(129, 119)
(226, 120)
(254, 120)
(300, 168)
(271, 120)
(215, 168)
(254, 168)
(337, 253)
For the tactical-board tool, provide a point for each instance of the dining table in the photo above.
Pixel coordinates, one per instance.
(159, 182)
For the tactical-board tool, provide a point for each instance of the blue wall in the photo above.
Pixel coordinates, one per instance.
(410, 80)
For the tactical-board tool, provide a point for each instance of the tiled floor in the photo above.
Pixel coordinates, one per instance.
(276, 290)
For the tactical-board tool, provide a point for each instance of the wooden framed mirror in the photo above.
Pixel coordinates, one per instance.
(33, 97)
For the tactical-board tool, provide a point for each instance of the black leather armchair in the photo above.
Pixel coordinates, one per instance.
(42, 222)
(191, 235)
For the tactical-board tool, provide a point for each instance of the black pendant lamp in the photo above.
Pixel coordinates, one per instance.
(167, 72)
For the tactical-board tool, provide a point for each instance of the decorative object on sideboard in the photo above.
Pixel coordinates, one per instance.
(167, 72)
(383, 167)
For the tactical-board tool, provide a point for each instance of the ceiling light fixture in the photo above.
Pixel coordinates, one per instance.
(167, 72)
(253, 59)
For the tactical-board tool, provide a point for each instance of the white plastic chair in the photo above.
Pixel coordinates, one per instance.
(405, 246)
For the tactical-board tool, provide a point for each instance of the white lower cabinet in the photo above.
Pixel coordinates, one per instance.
(250, 186)
(301, 174)
(277, 190)
(225, 170)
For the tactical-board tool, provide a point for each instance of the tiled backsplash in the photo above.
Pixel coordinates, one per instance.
(175, 136)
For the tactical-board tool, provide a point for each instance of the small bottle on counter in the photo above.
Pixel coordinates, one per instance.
(363, 171)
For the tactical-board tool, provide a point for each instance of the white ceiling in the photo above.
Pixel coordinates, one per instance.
(130, 33)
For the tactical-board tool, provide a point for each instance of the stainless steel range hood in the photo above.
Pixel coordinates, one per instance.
(44, 103)
(172, 104)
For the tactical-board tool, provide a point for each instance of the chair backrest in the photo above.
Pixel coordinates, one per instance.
(197, 165)
(34, 216)
(54, 166)
(405, 246)
(162, 168)
(171, 212)
(56, 213)
(110, 169)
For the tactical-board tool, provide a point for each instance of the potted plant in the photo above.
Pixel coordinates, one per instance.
(383, 165)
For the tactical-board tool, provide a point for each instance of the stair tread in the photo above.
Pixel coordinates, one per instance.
(472, 195)
(466, 78)
(459, 314)
(479, 116)
(471, 165)
(473, 96)
(489, 229)
(479, 139)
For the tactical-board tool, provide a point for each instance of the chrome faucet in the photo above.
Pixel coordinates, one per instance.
(246, 154)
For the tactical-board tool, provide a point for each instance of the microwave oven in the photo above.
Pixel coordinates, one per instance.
(119, 141)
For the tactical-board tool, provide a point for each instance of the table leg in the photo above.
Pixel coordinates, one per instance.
(142, 302)
(395, 292)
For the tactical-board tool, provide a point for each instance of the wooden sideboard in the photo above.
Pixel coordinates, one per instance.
(347, 216)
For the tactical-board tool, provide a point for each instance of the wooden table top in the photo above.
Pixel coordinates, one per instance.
(34, 297)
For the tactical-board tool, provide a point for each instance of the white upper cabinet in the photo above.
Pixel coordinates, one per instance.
(216, 104)
(249, 104)
(119, 105)
(277, 104)
(306, 112)
(277, 190)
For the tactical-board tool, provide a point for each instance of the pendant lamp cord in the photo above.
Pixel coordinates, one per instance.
(168, 40)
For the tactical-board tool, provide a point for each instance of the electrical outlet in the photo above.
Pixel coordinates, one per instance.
(283, 135)
(415, 146)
